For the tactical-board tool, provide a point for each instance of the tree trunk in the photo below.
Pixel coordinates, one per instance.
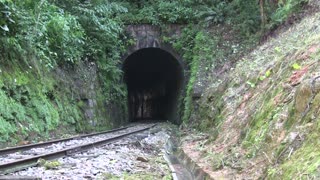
(262, 13)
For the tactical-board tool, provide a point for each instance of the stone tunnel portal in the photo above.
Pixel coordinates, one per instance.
(154, 78)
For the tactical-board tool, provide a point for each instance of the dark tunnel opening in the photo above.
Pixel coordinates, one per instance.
(154, 79)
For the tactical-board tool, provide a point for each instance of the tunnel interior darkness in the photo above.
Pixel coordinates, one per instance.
(154, 79)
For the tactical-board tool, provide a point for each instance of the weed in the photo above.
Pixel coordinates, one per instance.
(296, 66)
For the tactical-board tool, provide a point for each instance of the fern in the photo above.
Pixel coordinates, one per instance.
(285, 9)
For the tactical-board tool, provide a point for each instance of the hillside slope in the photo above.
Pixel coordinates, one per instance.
(59, 69)
(261, 118)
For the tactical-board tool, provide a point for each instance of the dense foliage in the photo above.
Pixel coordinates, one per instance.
(249, 16)
(68, 31)
(40, 36)
(58, 33)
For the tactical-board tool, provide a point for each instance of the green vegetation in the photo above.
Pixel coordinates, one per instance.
(201, 45)
(279, 114)
(31, 105)
(39, 38)
(49, 164)
(47, 48)
(248, 17)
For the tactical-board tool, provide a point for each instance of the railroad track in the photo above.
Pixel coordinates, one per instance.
(21, 157)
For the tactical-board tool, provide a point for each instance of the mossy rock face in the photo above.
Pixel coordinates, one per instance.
(316, 101)
(317, 85)
(302, 96)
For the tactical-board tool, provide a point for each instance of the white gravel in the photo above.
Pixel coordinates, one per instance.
(115, 159)
(62, 145)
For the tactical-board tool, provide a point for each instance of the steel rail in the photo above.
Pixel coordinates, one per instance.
(33, 161)
(31, 146)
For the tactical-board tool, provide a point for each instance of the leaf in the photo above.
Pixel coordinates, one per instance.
(11, 20)
(261, 78)
(296, 66)
(5, 28)
(268, 73)
(277, 49)
(251, 84)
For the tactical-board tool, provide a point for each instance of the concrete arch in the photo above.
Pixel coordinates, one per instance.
(150, 36)
(155, 79)
(164, 47)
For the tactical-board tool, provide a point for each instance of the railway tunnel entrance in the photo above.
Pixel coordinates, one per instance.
(154, 79)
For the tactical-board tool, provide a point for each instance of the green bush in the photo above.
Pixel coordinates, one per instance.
(65, 38)
(175, 12)
(56, 33)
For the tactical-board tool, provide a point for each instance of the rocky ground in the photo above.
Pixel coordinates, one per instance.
(139, 156)
(65, 144)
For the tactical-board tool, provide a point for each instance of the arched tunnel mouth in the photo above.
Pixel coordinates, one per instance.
(154, 78)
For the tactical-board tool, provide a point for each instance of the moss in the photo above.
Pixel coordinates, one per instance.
(261, 124)
(109, 176)
(305, 161)
(292, 117)
(52, 164)
(81, 104)
(302, 97)
(49, 164)
(30, 105)
(210, 109)
(313, 111)
(316, 102)
(300, 110)
(188, 104)
(303, 164)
